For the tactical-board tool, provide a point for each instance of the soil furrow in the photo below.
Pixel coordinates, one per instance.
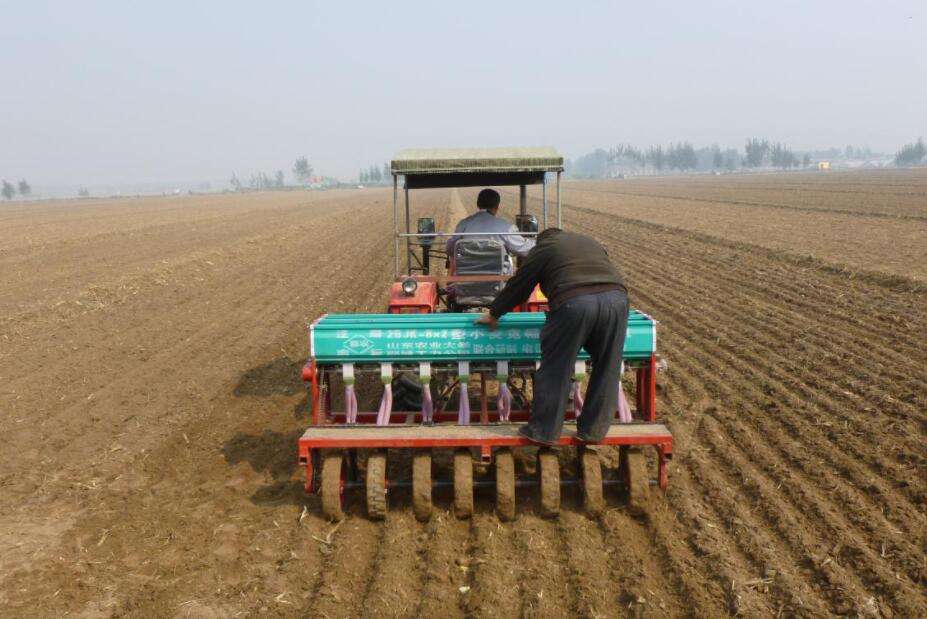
(852, 569)
(498, 585)
(443, 566)
(872, 515)
(785, 404)
(696, 316)
(771, 205)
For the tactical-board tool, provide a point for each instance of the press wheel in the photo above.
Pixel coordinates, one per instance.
(592, 482)
(637, 478)
(549, 483)
(463, 483)
(376, 485)
(505, 484)
(332, 481)
(421, 485)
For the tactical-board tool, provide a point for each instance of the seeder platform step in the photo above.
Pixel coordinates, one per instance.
(493, 435)
(326, 451)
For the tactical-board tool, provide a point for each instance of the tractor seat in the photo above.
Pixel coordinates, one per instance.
(475, 256)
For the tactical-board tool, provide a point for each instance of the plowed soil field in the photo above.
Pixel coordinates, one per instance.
(150, 405)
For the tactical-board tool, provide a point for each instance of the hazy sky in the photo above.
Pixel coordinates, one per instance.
(120, 92)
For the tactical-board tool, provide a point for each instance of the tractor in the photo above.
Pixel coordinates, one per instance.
(450, 388)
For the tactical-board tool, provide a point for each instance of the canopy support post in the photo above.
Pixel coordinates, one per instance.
(559, 207)
(396, 225)
(522, 199)
(544, 205)
(408, 239)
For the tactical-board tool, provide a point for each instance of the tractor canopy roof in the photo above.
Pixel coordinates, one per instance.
(471, 167)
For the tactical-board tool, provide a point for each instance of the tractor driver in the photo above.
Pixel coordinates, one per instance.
(485, 220)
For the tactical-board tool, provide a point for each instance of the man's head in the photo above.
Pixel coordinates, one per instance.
(488, 200)
(549, 233)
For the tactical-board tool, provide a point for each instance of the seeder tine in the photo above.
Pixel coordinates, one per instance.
(504, 403)
(350, 397)
(428, 409)
(463, 414)
(386, 402)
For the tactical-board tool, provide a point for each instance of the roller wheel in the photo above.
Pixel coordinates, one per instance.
(463, 483)
(505, 485)
(592, 483)
(376, 485)
(549, 483)
(637, 479)
(333, 486)
(421, 485)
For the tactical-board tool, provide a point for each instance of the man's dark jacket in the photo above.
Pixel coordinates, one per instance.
(565, 264)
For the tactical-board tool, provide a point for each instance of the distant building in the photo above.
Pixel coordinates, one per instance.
(823, 165)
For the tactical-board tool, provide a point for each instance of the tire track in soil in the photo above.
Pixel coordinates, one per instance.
(598, 593)
(442, 558)
(548, 585)
(496, 588)
(394, 580)
(611, 572)
(349, 571)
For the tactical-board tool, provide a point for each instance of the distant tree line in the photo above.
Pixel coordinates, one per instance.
(260, 181)
(911, 154)
(374, 175)
(9, 189)
(760, 152)
(684, 157)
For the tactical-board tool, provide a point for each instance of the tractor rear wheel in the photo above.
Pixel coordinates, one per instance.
(333, 486)
(376, 485)
(463, 483)
(633, 465)
(505, 485)
(549, 483)
(421, 484)
(592, 483)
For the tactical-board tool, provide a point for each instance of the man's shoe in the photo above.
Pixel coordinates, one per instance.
(525, 432)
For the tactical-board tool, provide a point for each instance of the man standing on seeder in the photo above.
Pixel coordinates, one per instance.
(588, 309)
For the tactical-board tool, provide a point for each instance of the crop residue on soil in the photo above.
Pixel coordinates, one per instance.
(150, 396)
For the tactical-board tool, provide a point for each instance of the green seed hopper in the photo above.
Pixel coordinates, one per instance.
(413, 338)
